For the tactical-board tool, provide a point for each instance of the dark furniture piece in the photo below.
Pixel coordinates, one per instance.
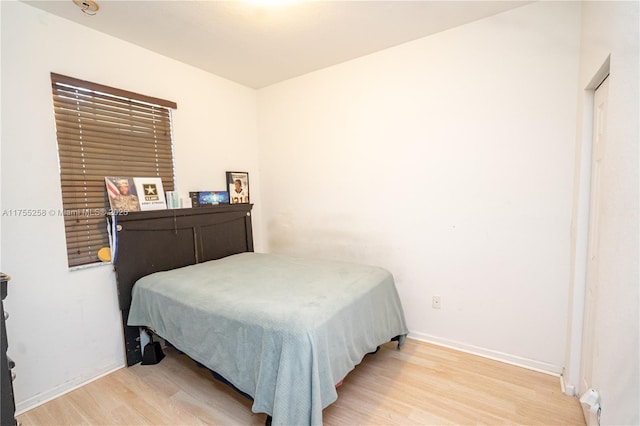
(8, 403)
(167, 239)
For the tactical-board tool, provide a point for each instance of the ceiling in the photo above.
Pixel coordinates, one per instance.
(255, 45)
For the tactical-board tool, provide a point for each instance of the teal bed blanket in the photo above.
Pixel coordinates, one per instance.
(283, 330)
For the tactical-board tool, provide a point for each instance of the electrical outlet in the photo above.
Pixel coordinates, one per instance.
(435, 302)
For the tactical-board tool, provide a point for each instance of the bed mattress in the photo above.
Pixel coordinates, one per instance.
(283, 330)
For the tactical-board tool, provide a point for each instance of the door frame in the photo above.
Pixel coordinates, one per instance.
(571, 376)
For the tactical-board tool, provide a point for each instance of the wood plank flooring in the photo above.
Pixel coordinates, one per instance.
(421, 384)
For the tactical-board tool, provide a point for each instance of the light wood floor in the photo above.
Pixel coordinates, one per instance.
(421, 384)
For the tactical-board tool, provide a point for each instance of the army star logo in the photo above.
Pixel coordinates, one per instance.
(150, 192)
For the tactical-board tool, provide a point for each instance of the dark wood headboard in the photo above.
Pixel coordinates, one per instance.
(161, 240)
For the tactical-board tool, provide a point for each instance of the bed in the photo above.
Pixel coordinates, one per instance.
(282, 330)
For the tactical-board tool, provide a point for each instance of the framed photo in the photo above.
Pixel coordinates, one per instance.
(123, 197)
(150, 193)
(238, 184)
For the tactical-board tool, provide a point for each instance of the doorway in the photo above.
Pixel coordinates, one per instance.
(590, 347)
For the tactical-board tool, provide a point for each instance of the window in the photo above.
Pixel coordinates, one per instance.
(101, 132)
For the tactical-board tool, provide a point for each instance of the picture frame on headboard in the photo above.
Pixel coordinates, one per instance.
(238, 184)
(122, 194)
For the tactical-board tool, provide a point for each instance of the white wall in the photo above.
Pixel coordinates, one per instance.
(449, 160)
(65, 326)
(611, 29)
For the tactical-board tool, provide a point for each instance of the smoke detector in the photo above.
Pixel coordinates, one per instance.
(88, 7)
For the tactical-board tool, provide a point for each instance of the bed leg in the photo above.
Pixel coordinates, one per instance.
(399, 339)
(268, 421)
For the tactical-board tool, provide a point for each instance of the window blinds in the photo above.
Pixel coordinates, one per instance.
(103, 131)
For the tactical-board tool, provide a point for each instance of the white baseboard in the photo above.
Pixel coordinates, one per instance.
(44, 397)
(569, 390)
(542, 367)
